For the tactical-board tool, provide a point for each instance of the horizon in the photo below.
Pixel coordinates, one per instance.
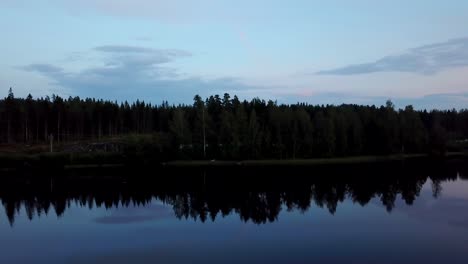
(303, 52)
(242, 100)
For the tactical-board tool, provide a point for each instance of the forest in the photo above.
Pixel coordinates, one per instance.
(221, 127)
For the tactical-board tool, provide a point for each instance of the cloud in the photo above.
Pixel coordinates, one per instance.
(428, 59)
(131, 72)
(124, 49)
(44, 68)
(128, 215)
(170, 53)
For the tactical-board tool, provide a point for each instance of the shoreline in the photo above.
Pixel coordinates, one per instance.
(12, 162)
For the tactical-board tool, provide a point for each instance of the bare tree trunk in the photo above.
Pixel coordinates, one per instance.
(51, 138)
(9, 130)
(204, 133)
(99, 128)
(294, 148)
(58, 127)
(45, 131)
(26, 131)
(37, 131)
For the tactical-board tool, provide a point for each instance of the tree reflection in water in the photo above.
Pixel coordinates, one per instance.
(256, 195)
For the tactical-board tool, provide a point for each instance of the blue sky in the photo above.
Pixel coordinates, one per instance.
(362, 51)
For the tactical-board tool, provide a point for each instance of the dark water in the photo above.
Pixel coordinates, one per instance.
(395, 213)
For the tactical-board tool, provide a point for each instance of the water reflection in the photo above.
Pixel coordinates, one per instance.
(254, 195)
(448, 204)
(149, 212)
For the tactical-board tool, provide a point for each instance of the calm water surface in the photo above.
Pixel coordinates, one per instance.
(398, 219)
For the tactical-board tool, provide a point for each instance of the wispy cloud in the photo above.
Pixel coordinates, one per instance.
(127, 72)
(43, 68)
(429, 59)
(168, 53)
(124, 49)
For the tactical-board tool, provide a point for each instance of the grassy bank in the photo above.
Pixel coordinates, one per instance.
(11, 161)
(302, 162)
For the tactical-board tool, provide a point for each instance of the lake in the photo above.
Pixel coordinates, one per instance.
(392, 213)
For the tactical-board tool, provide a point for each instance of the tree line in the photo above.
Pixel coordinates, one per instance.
(228, 128)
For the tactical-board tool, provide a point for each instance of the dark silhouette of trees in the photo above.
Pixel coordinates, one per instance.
(254, 195)
(227, 128)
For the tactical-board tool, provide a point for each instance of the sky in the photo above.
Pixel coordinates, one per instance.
(319, 52)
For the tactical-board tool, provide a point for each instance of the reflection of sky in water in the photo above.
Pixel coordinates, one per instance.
(450, 207)
(454, 189)
(429, 231)
(126, 215)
